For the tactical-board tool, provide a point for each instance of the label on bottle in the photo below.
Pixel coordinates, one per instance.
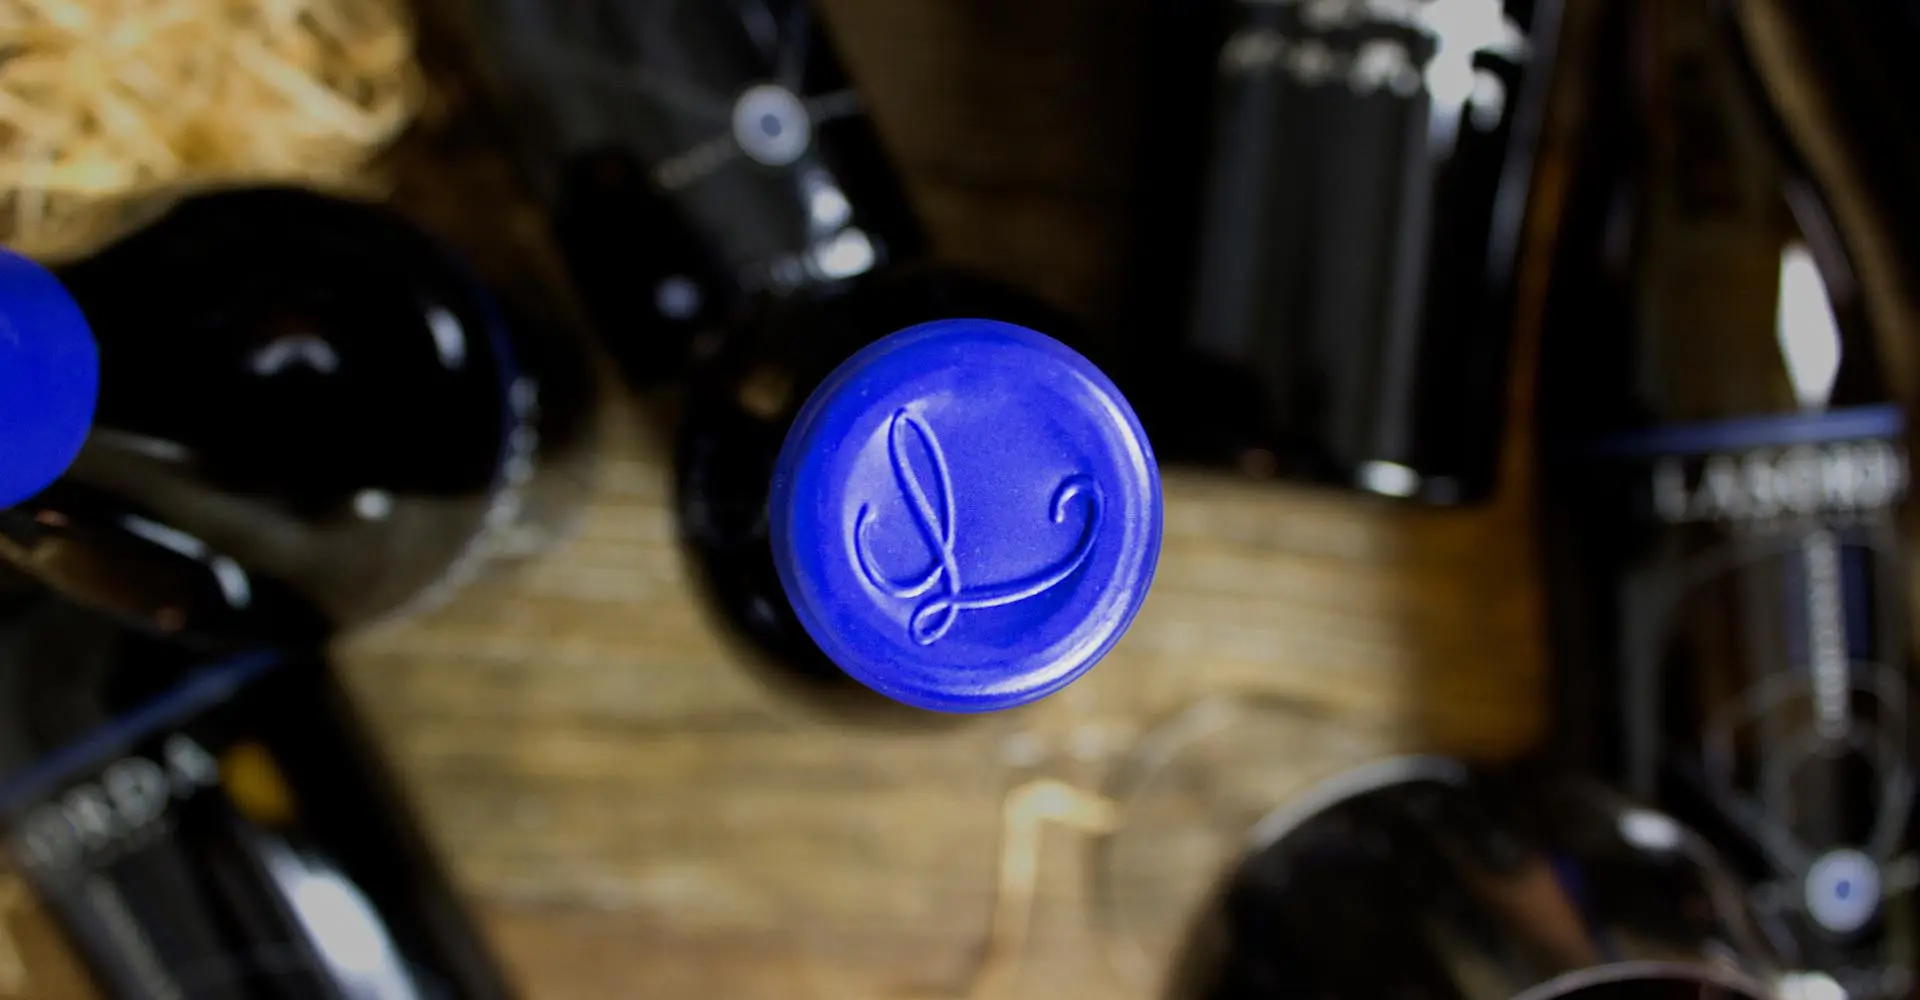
(1764, 683)
(177, 852)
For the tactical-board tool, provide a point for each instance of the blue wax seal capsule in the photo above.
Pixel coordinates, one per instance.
(49, 378)
(966, 515)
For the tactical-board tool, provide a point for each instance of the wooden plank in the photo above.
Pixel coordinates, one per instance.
(582, 742)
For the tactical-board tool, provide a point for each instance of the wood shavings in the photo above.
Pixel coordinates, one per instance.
(100, 99)
(1025, 814)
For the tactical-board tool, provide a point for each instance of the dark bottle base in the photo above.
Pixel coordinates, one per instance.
(743, 398)
(1471, 883)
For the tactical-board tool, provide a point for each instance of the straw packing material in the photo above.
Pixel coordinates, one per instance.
(100, 99)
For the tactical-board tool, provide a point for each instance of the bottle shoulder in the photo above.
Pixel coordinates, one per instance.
(238, 239)
(1703, 273)
(780, 347)
(316, 388)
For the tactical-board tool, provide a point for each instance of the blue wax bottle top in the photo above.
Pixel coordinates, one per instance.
(966, 515)
(49, 378)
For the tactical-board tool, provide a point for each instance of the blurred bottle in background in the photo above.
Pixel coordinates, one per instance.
(694, 153)
(1416, 877)
(1725, 463)
(208, 830)
(309, 416)
(1330, 220)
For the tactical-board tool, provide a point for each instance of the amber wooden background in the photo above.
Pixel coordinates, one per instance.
(635, 816)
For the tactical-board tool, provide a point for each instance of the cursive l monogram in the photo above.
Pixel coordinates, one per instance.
(941, 585)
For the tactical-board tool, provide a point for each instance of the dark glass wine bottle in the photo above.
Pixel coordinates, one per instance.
(696, 152)
(1724, 463)
(309, 415)
(1419, 879)
(1331, 214)
(210, 830)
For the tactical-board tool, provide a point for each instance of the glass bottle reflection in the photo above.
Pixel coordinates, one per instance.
(741, 403)
(310, 416)
(697, 152)
(1264, 849)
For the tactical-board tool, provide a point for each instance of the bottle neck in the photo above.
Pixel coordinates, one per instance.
(1748, 301)
(737, 111)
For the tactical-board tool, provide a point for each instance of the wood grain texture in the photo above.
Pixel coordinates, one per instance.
(635, 815)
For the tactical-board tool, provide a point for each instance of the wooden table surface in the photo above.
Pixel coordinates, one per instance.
(634, 815)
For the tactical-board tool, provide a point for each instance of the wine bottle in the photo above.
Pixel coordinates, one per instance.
(309, 415)
(1724, 463)
(696, 154)
(732, 124)
(209, 830)
(1419, 877)
(1332, 206)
